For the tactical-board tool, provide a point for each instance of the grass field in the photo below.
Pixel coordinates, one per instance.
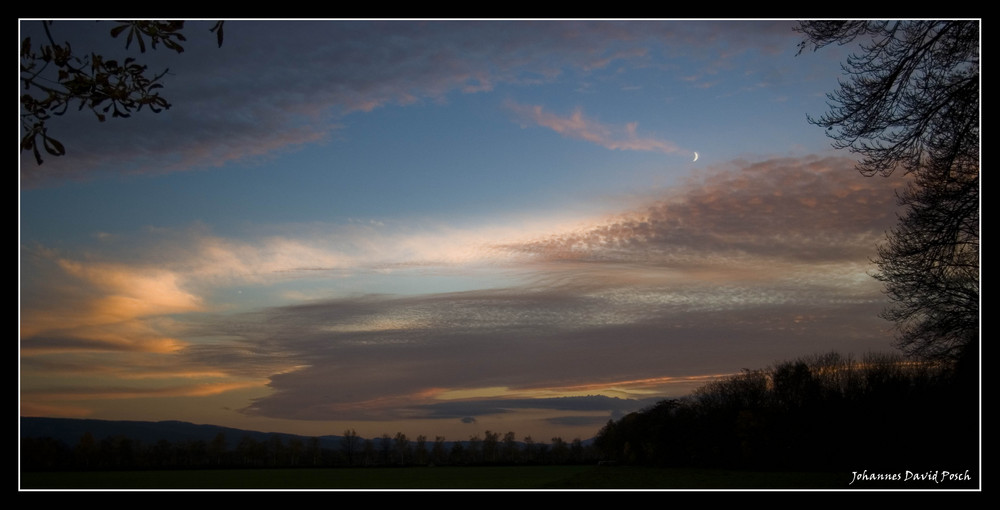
(531, 477)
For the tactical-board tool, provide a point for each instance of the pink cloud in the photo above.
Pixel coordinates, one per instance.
(578, 127)
(804, 209)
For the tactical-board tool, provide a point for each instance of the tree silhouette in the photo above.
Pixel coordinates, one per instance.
(510, 447)
(55, 77)
(314, 450)
(385, 449)
(420, 450)
(368, 452)
(529, 449)
(793, 416)
(438, 453)
(350, 444)
(295, 449)
(491, 446)
(401, 444)
(911, 101)
(475, 449)
(218, 447)
(930, 266)
(86, 450)
(560, 451)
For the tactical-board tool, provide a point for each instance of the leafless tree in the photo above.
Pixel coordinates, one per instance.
(910, 101)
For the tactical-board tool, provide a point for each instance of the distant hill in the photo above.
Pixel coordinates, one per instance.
(52, 444)
(69, 431)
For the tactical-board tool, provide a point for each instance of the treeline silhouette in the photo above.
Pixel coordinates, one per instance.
(825, 412)
(120, 452)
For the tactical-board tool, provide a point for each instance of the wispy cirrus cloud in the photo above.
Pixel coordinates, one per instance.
(577, 126)
(112, 393)
(253, 98)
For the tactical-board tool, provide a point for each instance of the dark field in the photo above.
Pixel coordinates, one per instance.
(534, 477)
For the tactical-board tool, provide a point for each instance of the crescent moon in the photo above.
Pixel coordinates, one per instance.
(695, 157)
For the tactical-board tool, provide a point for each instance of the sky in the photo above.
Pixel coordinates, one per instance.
(441, 228)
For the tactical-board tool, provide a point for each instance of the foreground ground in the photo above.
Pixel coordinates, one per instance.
(533, 477)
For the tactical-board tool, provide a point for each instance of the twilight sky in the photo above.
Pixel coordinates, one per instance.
(443, 228)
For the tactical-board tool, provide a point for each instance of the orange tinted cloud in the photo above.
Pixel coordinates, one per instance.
(110, 393)
(61, 410)
(105, 307)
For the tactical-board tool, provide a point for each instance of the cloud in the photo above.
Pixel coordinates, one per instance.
(115, 393)
(592, 422)
(779, 210)
(103, 306)
(723, 273)
(576, 126)
(277, 86)
(274, 86)
(740, 266)
(594, 403)
(525, 341)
